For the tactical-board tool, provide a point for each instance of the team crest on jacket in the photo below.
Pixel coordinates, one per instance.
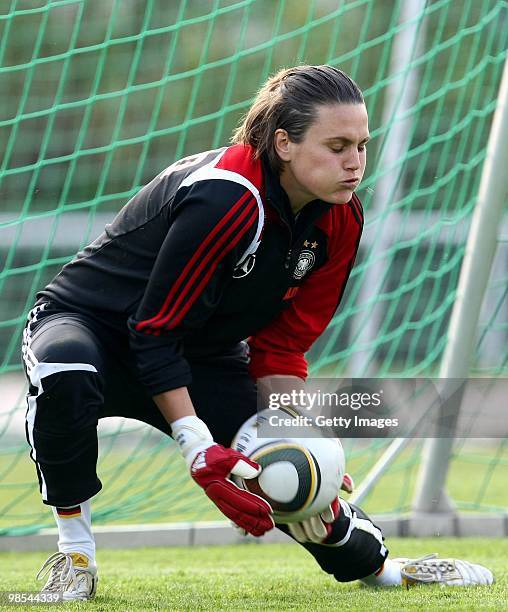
(305, 262)
(245, 267)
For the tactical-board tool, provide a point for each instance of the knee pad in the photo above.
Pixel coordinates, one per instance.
(67, 401)
(355, 548)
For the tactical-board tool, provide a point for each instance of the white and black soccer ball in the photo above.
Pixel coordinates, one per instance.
(300, 477)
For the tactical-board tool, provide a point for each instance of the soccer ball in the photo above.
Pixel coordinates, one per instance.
(300, 477)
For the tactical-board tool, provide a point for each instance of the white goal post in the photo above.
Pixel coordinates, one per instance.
(430, 498)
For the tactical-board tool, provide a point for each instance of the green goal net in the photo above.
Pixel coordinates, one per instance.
(98, 96)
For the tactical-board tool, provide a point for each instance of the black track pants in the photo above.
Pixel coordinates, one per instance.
(80, 371)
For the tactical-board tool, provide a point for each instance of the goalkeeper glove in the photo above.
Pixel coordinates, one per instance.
(316, 528)
(210, 465)
(319, 527)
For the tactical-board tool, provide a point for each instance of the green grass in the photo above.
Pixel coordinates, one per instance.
(270, 577)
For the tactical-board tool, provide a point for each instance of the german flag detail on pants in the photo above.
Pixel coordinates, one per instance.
(69, 512)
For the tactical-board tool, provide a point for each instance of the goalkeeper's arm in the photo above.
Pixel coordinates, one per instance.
(211, 464)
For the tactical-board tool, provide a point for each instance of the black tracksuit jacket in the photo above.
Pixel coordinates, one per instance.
(207, 254)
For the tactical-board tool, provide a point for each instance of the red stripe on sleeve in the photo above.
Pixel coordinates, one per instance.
(223, 240)
(198, 253)
(194, 295)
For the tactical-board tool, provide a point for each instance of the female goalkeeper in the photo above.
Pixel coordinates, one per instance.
(253, 241)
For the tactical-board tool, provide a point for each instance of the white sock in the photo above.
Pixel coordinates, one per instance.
(75, 529)
(388, 575)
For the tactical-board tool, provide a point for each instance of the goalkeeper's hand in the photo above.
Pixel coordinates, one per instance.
(318, 528)
(211, 464)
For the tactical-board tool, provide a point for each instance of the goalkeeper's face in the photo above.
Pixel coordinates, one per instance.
(329, 162)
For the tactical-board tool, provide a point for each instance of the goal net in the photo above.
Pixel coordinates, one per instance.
(99, 95)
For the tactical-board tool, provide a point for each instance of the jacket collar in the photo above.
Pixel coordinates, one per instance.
(274, 192)
(278, 198)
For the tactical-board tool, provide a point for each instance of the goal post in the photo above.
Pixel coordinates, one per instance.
(399, 97)
(483, 239)
(475, 273)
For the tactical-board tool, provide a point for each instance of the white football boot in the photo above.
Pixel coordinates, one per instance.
(71, 575)
(449, 572)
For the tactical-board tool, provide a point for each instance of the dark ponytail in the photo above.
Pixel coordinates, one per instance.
(289, 100)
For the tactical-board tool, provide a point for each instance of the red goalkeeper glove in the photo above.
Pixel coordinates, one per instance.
(211, 468)
(211, 464)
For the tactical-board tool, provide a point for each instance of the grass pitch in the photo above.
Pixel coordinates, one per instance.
(269, 577)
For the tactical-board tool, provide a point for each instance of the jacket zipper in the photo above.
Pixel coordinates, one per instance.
(288, 259)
